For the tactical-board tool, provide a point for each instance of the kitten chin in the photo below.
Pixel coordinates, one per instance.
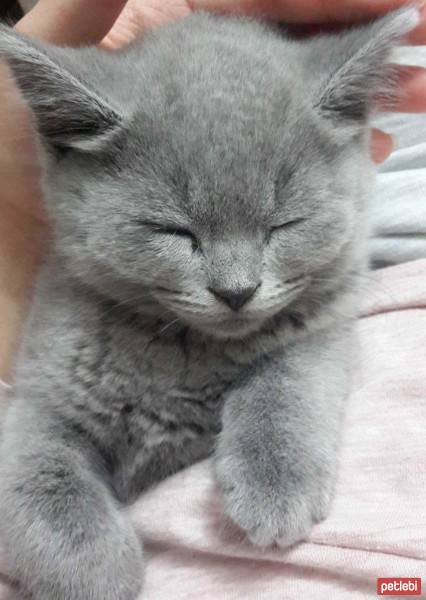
(236, 329)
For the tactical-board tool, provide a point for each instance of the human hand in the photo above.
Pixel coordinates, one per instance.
(22, 228)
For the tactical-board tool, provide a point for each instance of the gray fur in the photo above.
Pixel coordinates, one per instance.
(215, 158)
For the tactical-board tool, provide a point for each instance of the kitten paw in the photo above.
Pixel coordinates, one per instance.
(270, 514)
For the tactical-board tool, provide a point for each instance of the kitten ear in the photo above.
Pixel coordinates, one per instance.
(353, 67)
(68, 111)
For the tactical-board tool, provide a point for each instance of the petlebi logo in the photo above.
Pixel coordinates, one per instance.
(399, 586)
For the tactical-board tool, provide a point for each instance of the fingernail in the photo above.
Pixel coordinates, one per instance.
(381, 146)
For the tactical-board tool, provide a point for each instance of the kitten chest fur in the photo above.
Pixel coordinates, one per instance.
(133, 387)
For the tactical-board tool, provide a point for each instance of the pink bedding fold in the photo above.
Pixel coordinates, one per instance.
(377, 527)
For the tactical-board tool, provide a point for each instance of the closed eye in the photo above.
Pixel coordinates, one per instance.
(288, 224)
(283, 226)
(174, 232)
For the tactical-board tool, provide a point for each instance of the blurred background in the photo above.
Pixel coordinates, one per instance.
(11, 10)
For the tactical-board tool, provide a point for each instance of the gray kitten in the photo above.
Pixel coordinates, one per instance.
(207, 189)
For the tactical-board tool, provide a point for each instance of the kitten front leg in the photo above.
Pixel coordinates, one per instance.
(277, 454)
(63, 532)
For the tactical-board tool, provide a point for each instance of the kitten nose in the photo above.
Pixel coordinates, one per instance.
(235, 298)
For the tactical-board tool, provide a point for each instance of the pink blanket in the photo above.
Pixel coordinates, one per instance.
(377, 527)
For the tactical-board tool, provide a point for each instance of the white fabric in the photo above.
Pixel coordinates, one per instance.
(398, 210)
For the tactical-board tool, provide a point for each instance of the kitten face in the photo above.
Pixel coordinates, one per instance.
(223, 235)
(215, 173)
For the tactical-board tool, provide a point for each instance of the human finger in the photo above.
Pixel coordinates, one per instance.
(381, 146)
(71, 22)
(303, 11)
